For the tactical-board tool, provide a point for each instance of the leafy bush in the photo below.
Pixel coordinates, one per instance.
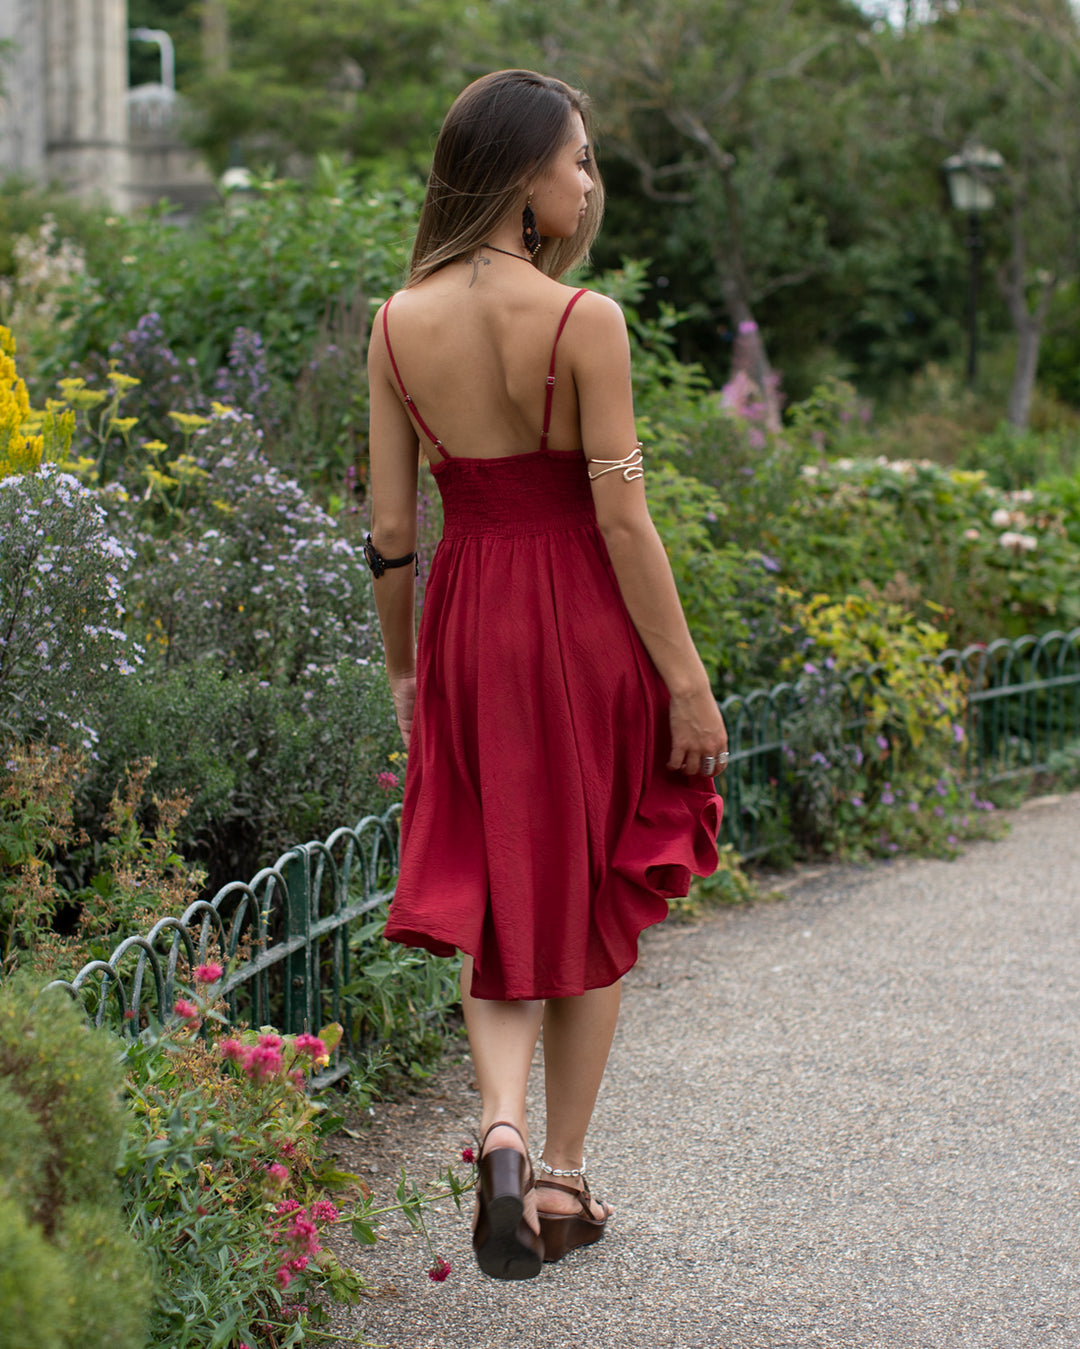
(61, 1126)
(223, 1184)
(873, 744)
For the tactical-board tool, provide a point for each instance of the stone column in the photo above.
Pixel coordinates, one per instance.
(86, 61)
(22, 102)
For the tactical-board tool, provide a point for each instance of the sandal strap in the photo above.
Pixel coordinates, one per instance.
(502, 1124)
(583, 1196)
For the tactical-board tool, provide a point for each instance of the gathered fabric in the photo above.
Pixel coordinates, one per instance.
(542, 830)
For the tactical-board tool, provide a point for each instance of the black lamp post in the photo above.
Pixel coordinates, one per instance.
(970, 175)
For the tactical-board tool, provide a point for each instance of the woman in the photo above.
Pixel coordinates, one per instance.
(562, 732)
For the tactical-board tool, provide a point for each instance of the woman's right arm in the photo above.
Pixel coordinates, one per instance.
(394, 451)
(601, 359)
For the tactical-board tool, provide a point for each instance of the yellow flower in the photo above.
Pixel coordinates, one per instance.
(155, 446)
(122, 424)
(122, 382)
(189, 421)
(221, 409)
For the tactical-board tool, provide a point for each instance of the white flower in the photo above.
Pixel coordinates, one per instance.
(1023, 543)
(971, 534)
(1001, 517)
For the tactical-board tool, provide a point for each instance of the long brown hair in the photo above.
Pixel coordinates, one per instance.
(500, 131)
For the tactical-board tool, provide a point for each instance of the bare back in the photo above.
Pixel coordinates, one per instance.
(473, 346)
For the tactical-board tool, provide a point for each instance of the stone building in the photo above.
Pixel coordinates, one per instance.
(67, 115)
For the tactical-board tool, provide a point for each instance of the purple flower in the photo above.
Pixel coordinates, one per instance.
(958, 732)
(882, 743)
(769, 563)
(857, 802)
(887, 798)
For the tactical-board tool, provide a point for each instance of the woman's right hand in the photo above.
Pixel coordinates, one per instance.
(697, 731)
(403, 692)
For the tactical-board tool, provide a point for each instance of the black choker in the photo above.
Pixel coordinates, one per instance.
(495, 249)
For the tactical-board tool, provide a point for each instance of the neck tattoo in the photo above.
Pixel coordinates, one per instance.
(478, 259)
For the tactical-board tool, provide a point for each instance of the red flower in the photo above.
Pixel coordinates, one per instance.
(310, 1044)
(468, 1156)
(186, 1009)
(439, 1270)
(283, 1278)
(208, 974)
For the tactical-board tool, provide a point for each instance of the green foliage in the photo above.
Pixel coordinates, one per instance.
(873, 744)
(406, 1003)
(61, 1127)
(224, 1188)
(265, 764)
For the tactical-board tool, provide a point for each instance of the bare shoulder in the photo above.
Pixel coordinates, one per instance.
(597, 333)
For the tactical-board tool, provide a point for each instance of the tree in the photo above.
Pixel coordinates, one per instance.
(1010, 77)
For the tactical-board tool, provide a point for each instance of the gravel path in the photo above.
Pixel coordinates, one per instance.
(844, 1121)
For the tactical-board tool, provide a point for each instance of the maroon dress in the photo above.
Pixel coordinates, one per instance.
(542, 830)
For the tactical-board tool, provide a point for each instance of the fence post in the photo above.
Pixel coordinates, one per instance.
(298, 983)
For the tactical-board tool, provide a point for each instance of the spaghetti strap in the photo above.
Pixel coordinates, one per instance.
(409, 404)
(551, 371)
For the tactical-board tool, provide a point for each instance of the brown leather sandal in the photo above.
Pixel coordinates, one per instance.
(565, 1232)
(506, 1246)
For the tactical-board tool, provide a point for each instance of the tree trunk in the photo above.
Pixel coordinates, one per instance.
(1027, 322)
(215, 37)
(1029, 336)
(730, 261)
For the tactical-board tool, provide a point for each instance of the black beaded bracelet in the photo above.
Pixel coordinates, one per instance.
(379, 564)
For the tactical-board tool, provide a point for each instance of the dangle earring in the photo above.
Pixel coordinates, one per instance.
(530, 235)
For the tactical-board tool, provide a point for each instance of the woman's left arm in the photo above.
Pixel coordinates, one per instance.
(394, 455)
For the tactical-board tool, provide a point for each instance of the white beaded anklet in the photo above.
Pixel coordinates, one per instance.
(578, 1171)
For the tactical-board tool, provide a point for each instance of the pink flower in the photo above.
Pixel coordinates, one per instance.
(288, 1206)
(283, 1278)
(299, 1263)
(270, 1041)
(186, 1009)
(468, 1156)
(208, 974)
(388, 782)
(310, 1044)
(262, 1062)
(439, 1270)
(278, 1173)
(234, 1050)
(324, 1211)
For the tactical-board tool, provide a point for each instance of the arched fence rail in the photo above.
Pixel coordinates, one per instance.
(284, 937)
(1023, 708)
(283, 940)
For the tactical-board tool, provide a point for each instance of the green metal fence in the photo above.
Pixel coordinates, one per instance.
(285, 936)
(1023, 707)
(283, 939)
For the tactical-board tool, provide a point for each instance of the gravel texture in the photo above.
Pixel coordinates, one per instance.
(847, 1120)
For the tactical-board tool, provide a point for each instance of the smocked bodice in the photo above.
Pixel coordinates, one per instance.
(539, 493)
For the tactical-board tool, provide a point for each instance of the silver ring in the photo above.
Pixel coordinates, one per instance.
(724, 757)
(708, 762)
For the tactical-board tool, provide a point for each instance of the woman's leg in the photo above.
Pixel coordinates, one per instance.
(577, 1037)
(502, 1037)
